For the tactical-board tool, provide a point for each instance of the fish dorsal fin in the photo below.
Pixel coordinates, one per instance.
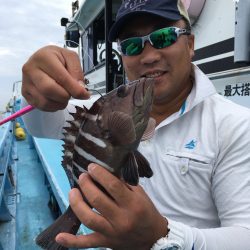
(69, 139)
(95, 108)
(80, 112)
(144, 168)
(150, 130)
(121, 128)
(130, 170)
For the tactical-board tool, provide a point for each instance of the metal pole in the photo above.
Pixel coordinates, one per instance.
(242, 31)
(108, 23)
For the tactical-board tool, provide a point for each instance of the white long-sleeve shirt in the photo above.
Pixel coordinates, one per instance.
(200, 157)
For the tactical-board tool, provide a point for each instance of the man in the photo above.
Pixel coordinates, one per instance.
(199, 196)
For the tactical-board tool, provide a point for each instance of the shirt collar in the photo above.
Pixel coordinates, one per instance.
(202, 88)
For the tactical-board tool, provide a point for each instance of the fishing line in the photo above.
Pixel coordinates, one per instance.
(83, 33)
(82, 30)
(97, 92)
(79, 54)
(92, 90)
(76, 21)
(79, 24)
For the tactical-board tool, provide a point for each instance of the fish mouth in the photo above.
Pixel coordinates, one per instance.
(143, 83)
(143, 91)
(148, 84)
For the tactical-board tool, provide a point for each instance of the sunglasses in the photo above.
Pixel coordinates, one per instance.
(159, 39)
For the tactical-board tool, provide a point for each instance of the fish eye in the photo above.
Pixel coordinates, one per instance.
(122, 91)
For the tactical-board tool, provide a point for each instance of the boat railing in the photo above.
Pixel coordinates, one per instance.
(6, 142)
(8, 194)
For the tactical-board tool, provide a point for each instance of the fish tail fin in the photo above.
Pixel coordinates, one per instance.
(67, 222)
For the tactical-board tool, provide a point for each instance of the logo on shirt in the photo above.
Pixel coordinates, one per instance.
(191, 145)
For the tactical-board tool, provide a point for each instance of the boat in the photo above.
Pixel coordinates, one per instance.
(33, 185)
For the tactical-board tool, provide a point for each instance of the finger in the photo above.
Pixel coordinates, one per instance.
(118, 190)
(47, 87)
(73, 65)
(82, 241)
(98, 199)
(50, 61)
(71, 85)
(34, 98)
(60, 68)
(86, 215)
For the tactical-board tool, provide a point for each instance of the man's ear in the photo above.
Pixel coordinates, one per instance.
(191, 45)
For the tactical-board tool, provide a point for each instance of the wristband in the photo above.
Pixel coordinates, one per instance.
(174, 240)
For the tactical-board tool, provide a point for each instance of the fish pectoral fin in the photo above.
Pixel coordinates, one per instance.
(130, 170)
(144, 168)
(150, 130)
(121, 127)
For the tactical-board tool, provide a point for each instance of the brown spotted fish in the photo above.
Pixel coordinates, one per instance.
(107, 134)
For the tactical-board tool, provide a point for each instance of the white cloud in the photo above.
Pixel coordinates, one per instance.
(25, 27)
(6, 52)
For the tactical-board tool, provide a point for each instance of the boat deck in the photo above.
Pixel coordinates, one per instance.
(31, 175)
(33, 213)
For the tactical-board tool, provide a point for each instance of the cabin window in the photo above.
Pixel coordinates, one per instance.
(93, 44)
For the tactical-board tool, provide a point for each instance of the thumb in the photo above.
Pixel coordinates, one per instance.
(77, 87)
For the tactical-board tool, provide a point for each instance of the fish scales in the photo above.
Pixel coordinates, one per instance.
(95, 142)
(107, 134)
(93, 146)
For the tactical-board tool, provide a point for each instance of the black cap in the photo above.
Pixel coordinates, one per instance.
(172, 10)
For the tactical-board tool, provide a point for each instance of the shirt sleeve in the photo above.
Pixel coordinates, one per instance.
(51, 124)
(230, 187)
(46, 124)
(226, 238)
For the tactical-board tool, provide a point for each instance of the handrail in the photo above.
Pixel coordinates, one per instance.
(5, 158)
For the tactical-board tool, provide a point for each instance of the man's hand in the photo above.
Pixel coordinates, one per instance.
(124, 219)
(51, 76)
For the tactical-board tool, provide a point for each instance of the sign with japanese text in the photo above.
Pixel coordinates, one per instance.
(235, 88)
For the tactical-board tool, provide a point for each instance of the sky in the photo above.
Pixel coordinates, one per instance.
(25, 27)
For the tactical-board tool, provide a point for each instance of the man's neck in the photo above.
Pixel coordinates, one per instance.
(160, 111)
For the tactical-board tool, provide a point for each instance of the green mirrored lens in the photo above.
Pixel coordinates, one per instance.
(131, 46)
(163, 37)
(159, 39)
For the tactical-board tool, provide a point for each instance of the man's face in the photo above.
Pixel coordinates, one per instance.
(170, 66)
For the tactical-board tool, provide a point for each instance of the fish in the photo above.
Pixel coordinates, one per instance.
(108, 134)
